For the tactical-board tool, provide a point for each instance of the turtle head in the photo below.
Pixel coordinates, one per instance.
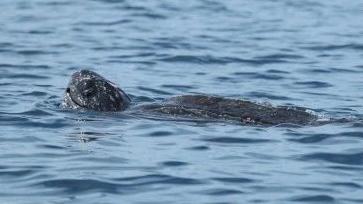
(90, 90)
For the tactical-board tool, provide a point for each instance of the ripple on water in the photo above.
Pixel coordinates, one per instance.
(149, 15)
(234, 180)
(35, 93)
(331, 70)
(161, 134)
(154, 179)
(117, 185)
(76, 186)
(23, 76)
(318, 138)
(154, 91)
(16, 173)
(21, 174)
(198, 148)
(357, 47)
(173, 163)
(281, 56)
(313, 84)
(23, 66)
(346, 184)
(338, 158)
(35, 52)
(221, 192)
(314, 199)
(106, 23)
(210, 60)
(36, 112)
(21, 122)
(255, 75)
(236, 140)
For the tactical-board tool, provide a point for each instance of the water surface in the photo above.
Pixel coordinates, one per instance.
(305, 53)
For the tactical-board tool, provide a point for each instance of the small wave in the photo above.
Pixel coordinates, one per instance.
(226, 79)
(20, 121)
(87, 136)
(221, 192)
(81, 185)
(198, 148)
(111, 1)
(154, 91)
(277, 71)
(133, 8)
(6, 44)
(335, 47)
(207, 59)
(178, 87)
(22, 140)
(62, 45)
(341, 70)
(255, 75)
(281, 56)
(235, 140)
(130, 62)
(19, 66)
(315, 198)
(332, 71)
(23, 76)
(313, 84)
(6, 84)
(150, 15)
(160, 134)
(40, 32)
(176, 44)
(136, 55)
(312, 139)
(36, 112)
(315, 138)
(173, 163)
(105, 23)
(194, 59)
(4, 50)
(348, 159)
(347, 184)
(159, 179)
(35, 93)
(231, 180)
(16, 173)
(51, 147)
(56, 3)
(35, 52)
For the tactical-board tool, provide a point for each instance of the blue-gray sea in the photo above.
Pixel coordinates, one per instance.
(282, 52)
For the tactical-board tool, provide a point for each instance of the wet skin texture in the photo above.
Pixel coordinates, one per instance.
(89, 90)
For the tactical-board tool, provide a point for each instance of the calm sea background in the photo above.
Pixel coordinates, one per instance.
(306, 53)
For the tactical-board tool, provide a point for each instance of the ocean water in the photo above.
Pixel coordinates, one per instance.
(305, 53)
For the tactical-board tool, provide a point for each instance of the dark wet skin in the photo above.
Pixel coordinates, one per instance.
(88, 90)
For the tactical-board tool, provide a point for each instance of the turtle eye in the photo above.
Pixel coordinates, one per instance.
(68, 90)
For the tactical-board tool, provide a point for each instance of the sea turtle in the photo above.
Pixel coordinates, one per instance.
(89, 90)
